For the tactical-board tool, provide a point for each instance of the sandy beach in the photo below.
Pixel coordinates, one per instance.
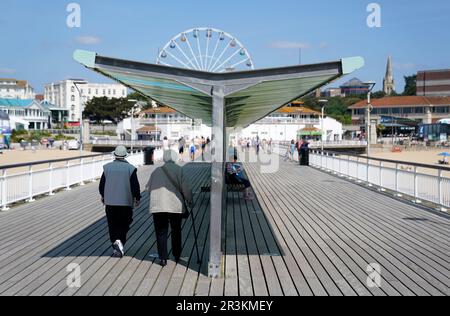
(10, 157)
(430, 157)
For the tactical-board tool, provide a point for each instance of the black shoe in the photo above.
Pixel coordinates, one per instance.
(116, 254)
(162, 263)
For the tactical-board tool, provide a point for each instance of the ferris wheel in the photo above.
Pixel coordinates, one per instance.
(206, 49)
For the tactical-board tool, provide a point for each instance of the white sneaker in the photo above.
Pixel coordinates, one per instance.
(118, 246)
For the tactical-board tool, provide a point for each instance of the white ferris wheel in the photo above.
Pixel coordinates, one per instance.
(206, 49)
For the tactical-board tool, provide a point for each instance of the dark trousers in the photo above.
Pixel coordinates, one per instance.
(236, 179)
(162, 221)
(119, 221)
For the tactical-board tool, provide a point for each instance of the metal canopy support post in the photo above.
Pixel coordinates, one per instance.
(217, 181)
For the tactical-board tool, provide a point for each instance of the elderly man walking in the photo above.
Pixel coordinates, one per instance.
(120, 191)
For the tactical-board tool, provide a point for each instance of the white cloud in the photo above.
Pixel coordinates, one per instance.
(290, 45)
(88, 40)
(7, 71)
(323, 45)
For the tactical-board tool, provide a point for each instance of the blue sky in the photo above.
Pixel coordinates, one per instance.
(37, 45)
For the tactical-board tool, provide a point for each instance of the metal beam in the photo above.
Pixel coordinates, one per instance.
(217, 180)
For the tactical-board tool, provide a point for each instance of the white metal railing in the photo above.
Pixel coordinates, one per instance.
(423, 182)
(116, 142)
(289, 120)
(23, 182)
(336, 144)
(341, 143)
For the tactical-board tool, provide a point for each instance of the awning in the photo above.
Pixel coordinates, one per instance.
(249, 95)
(310, 131)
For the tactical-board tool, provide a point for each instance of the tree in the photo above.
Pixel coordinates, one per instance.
(101, 109)
(410, 85)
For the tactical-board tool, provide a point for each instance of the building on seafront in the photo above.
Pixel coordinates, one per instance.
(64, 94)
(432, 83)
(16, 89)
(30, 114)
(290, 122)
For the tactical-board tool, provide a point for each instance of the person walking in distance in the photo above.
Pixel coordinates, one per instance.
(120, 191)
(203, 146)
(170, 198)
(192, 150)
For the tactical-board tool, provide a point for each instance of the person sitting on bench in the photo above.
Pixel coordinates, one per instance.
(235, 176)
(444, 161)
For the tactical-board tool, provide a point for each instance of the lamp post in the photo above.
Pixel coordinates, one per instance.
(322, 125)
(371, 85)
(76, 83)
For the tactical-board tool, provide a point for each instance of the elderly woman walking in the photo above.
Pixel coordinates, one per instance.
(170, 197)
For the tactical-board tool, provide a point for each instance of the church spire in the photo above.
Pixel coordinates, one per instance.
(388, 82)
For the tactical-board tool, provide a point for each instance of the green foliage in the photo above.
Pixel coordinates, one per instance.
(104, 133)
(18, 136)
(410, 85)
(337, 107)
(100, 109)
(62, 137)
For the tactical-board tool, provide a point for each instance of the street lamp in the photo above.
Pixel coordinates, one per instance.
(324, 104)
(76, 83)
(371, 85)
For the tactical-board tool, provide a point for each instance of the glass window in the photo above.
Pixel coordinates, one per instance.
(396, 110)
(407, 110)
(72, 89)
(96, 91)
(104, 91)
(72, 98)
(442, 109)
(384, 111)
(114, 92)
(419, 110)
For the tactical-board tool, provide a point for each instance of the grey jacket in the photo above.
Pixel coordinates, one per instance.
(119, 185)
(165, 197)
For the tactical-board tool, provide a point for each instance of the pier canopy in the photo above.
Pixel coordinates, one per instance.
(248, 95)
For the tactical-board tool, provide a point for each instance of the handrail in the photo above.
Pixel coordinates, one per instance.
(34, 163)
(414, 164)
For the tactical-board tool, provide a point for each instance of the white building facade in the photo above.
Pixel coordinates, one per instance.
(289, 123)
(16, 89)
(26, 114)
(64, 94)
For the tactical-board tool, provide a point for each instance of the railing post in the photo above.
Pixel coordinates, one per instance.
(321, 160)
(416, 186)
(357, 170)
(368, 169)
(81, 172)
(67, 176)
(4, 196)
(348, 167)
(440, 195)
(397, 186)
(50, 182)
(381, 177)
(30, 184)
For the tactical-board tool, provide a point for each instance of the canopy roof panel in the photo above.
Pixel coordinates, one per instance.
(249, 95)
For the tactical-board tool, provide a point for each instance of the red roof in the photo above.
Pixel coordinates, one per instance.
(403, 101)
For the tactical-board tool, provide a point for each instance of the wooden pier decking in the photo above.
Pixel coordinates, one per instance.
(306, 233)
